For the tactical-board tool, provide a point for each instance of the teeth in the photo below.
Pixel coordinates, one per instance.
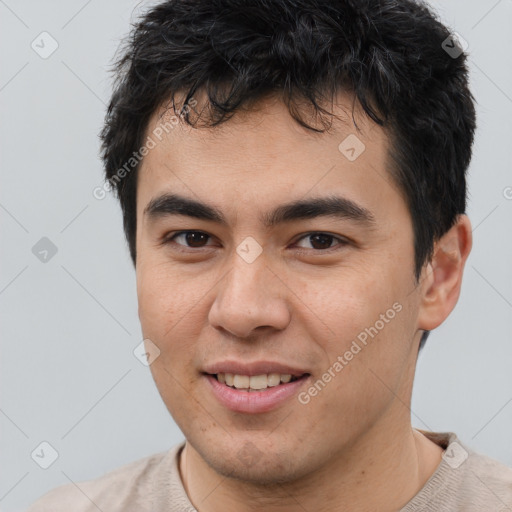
(258, 382)
(254, 382)
(273, 379)
(241, 381)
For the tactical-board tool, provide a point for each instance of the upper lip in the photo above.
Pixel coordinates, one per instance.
(254, 368)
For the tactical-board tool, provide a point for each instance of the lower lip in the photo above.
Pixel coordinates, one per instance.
(254, 401)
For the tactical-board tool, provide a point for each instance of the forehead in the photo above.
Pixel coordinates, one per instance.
(267, 121)
(263, 153)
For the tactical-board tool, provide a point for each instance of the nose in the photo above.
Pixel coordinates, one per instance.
(250, 296)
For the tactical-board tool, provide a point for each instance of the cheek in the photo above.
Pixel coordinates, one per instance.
(164, 301)
(345, 306)
(168, 317)
(172, 314)
(370, 323)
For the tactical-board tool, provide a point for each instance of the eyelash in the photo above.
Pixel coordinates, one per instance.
(341, 241)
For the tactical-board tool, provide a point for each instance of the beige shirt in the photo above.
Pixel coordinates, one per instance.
(464, 481)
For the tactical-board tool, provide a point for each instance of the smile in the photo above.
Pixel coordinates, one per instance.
(269, 392)
(254, 382)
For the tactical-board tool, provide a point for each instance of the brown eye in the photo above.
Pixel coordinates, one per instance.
(322, 241)
(192, 239)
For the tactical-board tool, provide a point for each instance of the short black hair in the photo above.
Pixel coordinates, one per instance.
(390, 54)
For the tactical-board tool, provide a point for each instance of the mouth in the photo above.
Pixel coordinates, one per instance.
(254, 394)
(256, 383)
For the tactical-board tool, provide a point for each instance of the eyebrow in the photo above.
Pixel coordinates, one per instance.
(330, 206)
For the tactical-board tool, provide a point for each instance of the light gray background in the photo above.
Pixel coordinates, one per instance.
(69, 326)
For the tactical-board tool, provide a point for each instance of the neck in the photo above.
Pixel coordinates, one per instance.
(382, 471)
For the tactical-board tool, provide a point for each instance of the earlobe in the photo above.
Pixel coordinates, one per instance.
(442, 277)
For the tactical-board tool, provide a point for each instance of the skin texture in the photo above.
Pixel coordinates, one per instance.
(352, 446)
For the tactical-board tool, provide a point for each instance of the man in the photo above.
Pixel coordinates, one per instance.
(292, 180)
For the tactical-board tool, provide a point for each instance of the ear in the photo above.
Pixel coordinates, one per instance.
(441, 278)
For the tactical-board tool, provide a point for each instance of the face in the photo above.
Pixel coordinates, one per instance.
(281, 251)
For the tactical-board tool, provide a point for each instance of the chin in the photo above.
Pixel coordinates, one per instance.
(257, 466)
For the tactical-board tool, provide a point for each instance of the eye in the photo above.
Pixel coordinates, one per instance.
(191, 239)
(197, 239)
(322, 241)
